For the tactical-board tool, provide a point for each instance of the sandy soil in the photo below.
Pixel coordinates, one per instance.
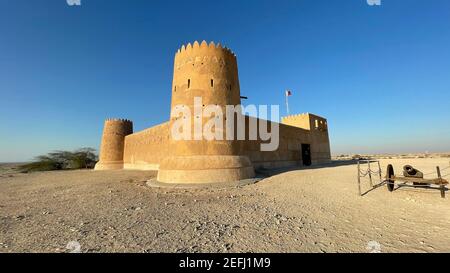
(309, 210)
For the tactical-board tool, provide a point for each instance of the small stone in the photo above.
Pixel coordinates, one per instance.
(226, 247)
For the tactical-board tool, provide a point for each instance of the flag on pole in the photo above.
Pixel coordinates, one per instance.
(288, 94)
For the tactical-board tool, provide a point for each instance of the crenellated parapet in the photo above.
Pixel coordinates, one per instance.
(197, 55)
(201, 46)
(118, 126)
(119, 120)
(296, 116)
(306, 121)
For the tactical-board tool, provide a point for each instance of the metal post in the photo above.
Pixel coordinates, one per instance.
(359, 179)
(379, 171)
(442, 187)
(370, 173)
(287, 103)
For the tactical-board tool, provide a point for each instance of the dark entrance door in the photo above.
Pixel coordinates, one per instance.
(306, 154)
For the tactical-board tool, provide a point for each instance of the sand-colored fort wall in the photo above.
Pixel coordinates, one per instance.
(112, 146)
(144, 150)
(293, 132)
(318, 134)
(209, 72)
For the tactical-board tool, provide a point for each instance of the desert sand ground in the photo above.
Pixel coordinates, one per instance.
(303, 210)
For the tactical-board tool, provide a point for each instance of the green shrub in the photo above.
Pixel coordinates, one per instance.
(84, 158)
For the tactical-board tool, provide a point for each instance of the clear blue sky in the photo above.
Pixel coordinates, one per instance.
(381, 75)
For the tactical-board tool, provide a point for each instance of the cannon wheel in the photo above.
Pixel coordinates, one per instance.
(389, 178)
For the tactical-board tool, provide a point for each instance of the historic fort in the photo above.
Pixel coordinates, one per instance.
(210, 72)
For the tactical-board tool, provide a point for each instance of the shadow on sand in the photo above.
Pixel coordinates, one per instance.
(264, 173)
(411, 188)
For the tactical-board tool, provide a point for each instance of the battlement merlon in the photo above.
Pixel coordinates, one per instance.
(306, 121)
(203, 53)
(196, 47)
(119, 120)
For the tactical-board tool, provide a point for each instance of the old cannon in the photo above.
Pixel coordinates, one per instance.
(415, 177)
(410, 171)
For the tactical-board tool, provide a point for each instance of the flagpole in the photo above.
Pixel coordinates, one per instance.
(287, 102)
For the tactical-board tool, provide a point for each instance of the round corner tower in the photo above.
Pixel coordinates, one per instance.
(208, 73)
(113, 141)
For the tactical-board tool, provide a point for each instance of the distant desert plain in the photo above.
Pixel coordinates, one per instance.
(315, 209)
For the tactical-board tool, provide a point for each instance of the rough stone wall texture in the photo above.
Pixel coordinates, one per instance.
(112, 145)
(210, 73)
(294, 131)
(207, 72)
(144, 150)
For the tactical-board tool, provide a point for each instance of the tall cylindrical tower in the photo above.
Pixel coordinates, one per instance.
(112, 146)
(206, 72)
